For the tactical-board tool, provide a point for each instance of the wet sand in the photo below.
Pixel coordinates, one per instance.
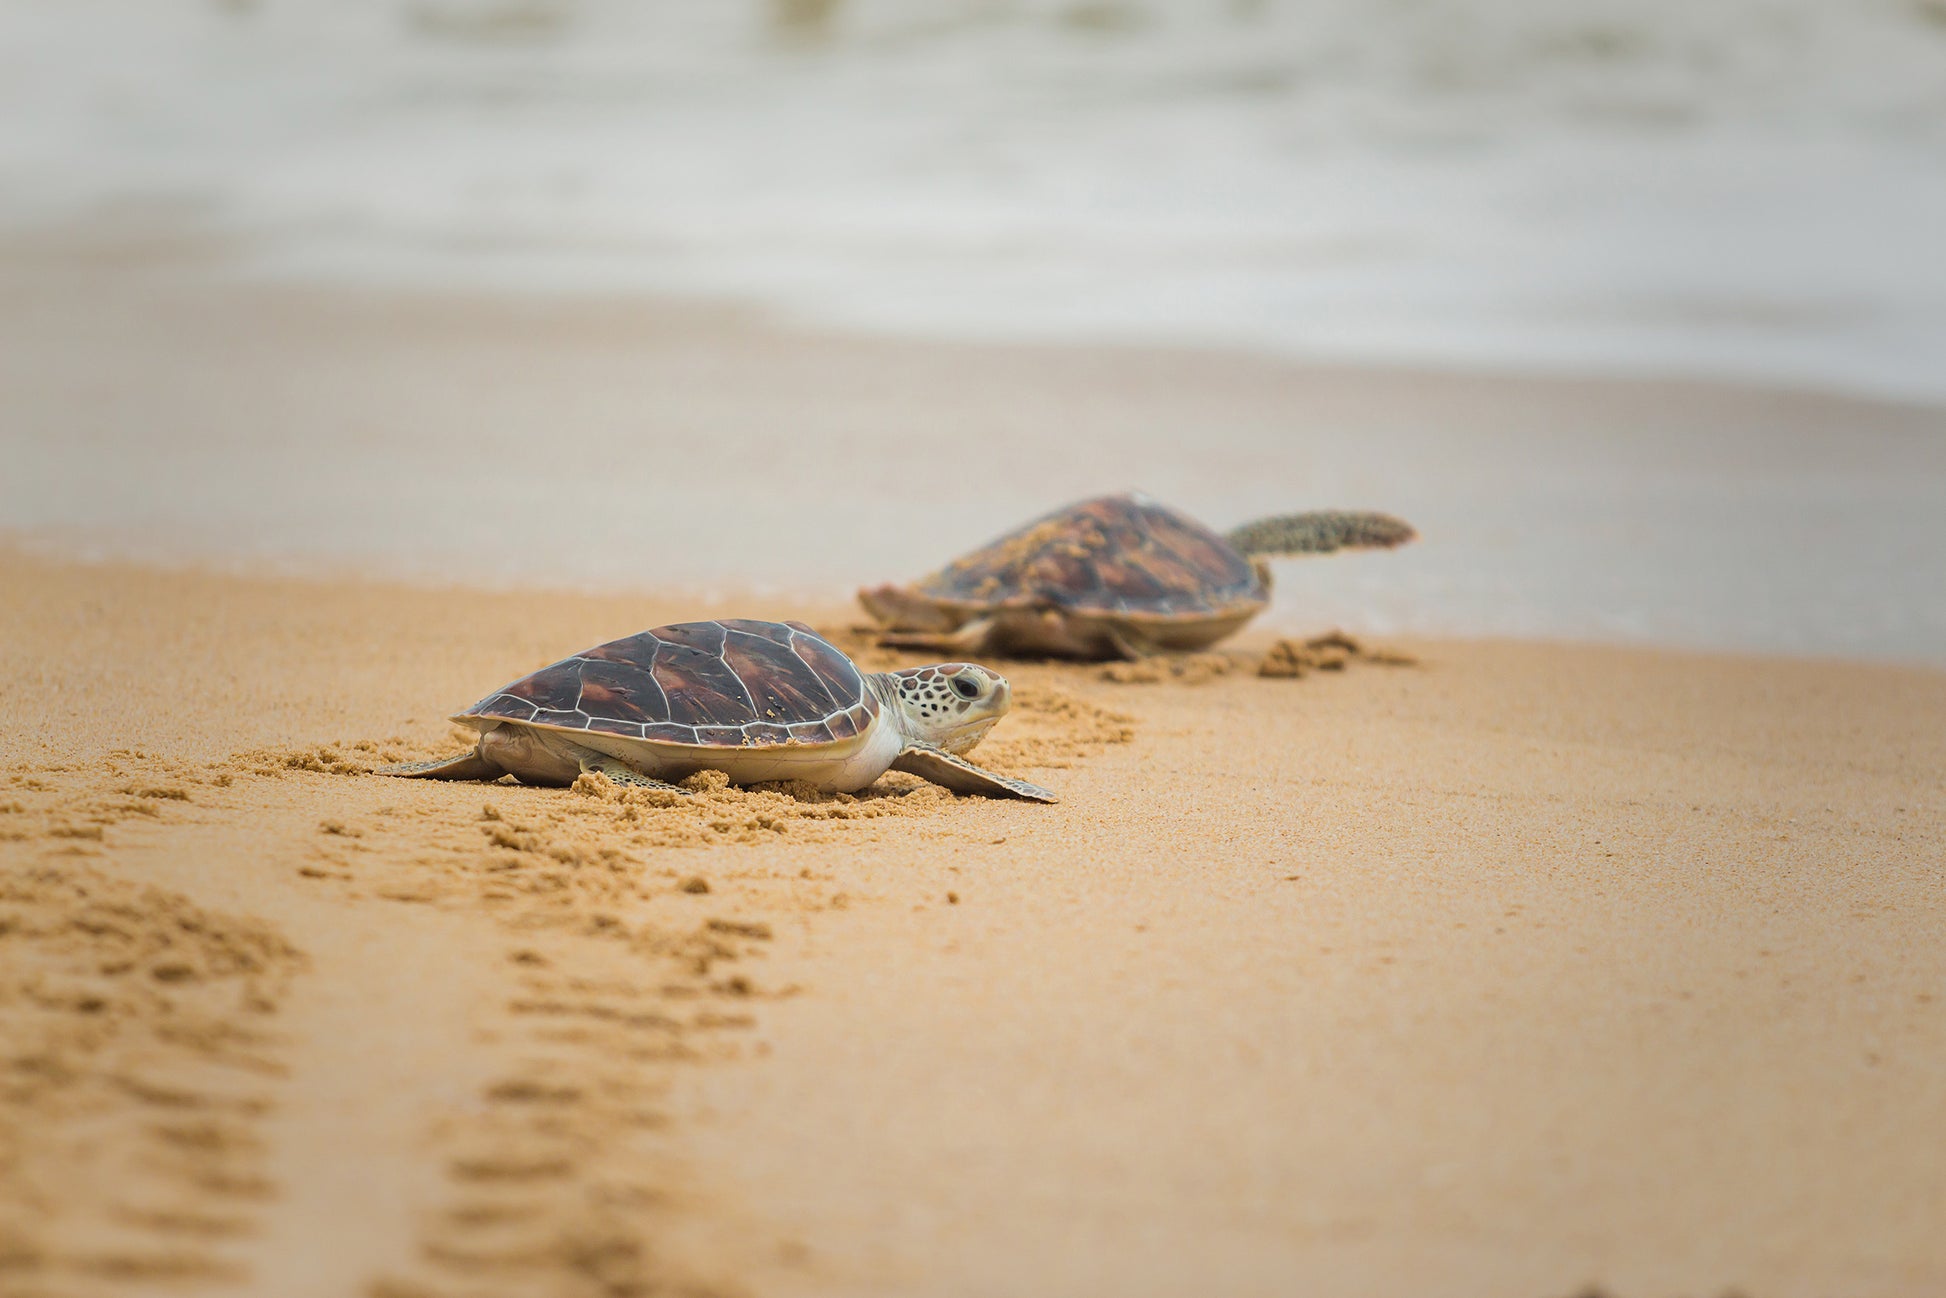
(1520, 969)
(160, 404)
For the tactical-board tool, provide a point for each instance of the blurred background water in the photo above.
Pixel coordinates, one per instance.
(1738, 187)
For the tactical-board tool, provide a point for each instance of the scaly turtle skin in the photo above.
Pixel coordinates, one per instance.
(1115, 577)
(756, 700)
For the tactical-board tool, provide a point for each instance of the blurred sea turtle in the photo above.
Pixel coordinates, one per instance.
(1115, 577)
(755, 700)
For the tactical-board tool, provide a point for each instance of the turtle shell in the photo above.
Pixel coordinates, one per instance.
(1125, 555)
(729, 684)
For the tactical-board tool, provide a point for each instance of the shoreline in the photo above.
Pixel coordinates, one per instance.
(830, 609)
(151, 242)
(165, 407)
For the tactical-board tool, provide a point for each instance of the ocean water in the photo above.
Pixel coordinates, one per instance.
(1741, 189)
(1751, 188)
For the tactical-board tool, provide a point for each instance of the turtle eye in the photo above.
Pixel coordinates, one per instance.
(966, 687)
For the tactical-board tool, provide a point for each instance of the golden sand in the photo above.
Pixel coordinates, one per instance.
(1534, 966)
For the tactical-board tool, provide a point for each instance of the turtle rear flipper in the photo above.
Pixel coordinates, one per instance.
(961, 776)
(1320, 532)
(468, 765)
(975, 637)
(899, 608)
(1130, 643)
(625, 775)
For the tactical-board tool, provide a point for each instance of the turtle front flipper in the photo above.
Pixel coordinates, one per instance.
(956, 773)
(468, 765)
(1321, 532)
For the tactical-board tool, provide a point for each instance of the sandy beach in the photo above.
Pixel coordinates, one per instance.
(1550, 907)
(1519, 969)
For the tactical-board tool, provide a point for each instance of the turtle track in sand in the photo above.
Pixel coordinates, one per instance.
(474, 1062)
(614, 939)
(140, 1055)
(636, 924)
(478, 1022)
(139, 1120)
(623, 939)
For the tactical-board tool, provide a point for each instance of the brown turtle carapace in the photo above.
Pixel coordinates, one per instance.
(1115, 577)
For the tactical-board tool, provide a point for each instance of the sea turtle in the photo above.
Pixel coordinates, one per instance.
(1115, 577)
(755, 700)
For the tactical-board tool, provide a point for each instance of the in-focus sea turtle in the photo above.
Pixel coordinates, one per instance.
(1116, 577)
(755, 700)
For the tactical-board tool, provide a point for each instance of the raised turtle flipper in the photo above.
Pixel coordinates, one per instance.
(1320, 532)
(468, 765)
(961, 776)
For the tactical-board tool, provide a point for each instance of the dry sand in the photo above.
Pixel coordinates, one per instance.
(1521, 968)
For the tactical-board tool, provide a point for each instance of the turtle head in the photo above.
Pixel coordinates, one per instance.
(952, 705)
